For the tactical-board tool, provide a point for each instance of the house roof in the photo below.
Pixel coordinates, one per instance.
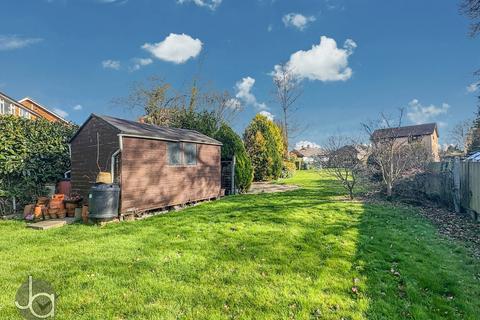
(18, 104)
(43, 108)
(408, 131)
(309, 152)
(144, 130)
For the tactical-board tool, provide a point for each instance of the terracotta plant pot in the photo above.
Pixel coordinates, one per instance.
(42, 200)
(38, 213)
(85, 214)
(28, 209)
(62, 213)
(53, 213)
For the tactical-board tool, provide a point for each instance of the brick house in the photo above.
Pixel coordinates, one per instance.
(424, 134)
(27, 108)
(10, 106)
(44, 112)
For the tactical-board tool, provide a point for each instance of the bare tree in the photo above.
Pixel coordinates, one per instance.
(461, 135)
(393, 155)
(471, 9)
(160, 102)
(343, 161)
(287, 91)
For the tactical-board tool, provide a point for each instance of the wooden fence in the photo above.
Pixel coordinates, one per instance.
(457, 184)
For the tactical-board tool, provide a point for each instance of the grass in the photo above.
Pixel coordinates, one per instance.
(294, 255)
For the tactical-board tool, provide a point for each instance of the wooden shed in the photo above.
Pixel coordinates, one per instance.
(156, 167)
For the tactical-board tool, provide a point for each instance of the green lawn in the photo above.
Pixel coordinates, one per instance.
(293, 255)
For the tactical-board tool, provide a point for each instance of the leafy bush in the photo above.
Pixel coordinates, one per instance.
(264, 144)
(32, 153)
(289, 168)
(233, 146)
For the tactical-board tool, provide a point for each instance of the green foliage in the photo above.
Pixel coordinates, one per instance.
(303, 254)
(203, 121)
(264, 143)
(289, 169)
(32, 153)
(233, 146)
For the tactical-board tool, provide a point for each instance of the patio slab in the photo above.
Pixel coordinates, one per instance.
(50, 224)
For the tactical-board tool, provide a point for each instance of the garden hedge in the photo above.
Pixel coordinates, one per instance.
(32, 153)
(233, 146)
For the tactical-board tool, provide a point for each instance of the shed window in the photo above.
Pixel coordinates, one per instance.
(190, 151)
(174, 153)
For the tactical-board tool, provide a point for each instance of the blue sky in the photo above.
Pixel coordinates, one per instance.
(374, 56)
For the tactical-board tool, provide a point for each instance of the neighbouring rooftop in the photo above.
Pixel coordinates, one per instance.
(407, 131)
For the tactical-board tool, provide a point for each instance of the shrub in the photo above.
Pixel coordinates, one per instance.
(264, 144)
(233, 146)
(32, 153)
(289, 168)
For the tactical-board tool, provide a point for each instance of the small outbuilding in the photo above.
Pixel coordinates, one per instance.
(155, 167)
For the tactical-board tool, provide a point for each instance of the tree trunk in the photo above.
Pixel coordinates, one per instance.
(389, 190)
(285, 126)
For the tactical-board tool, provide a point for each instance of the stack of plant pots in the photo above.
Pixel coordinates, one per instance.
(40, 210)
(56, 207)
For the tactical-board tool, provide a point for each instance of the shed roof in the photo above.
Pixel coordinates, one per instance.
(407, 131)
(144, 130)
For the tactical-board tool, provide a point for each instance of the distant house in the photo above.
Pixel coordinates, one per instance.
(156, 167)
(306, 157)
(44, 112)
(9, 106)
(424, 134)
(361, 152)
(27, 108)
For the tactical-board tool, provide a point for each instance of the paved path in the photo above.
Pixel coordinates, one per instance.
(268, 187)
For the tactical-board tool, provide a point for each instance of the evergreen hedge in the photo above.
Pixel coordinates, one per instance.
(32, 153)
(233, 146)
(264, 144)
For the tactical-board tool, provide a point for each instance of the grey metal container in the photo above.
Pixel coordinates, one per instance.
(103, 201)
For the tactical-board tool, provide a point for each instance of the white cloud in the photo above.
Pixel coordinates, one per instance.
(324, 62)
(78, 107)
(270, 28)
(418, 113)
(234, 103)
(60, 112)
(267, 114)
(138, 63)
(210, 4)
(176, 48)
(473, 87)
(12, 42)
(243, 93)
(297, 20)
(111, 64)
(305, 144)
